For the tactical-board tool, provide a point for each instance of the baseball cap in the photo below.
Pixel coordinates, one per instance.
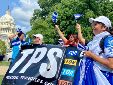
(101, 19)
(39, 36)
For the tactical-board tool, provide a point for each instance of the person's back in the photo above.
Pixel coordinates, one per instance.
(15, 48)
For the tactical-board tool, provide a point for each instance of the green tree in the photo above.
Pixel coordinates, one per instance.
(41, 26)
(2, 48)
(41, 20)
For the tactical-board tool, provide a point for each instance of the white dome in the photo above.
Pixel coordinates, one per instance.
(7, 18)
(7, 26)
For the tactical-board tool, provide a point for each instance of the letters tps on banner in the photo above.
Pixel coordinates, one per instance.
(35, 65)
(41, 65)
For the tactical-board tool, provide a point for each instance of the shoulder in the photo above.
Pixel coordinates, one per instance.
(108, 46)
(109, 37)
(15, 39)
(24, 43)
(108, 41)
(15, 42)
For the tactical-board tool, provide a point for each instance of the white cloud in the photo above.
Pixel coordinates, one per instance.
(23, 28)
(23, 13)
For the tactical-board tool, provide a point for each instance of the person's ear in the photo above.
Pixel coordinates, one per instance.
(104, 28)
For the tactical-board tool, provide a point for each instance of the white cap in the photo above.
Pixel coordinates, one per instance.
(39, 36)
(101, 19)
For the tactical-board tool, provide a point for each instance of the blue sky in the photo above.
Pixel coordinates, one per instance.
(21, 10)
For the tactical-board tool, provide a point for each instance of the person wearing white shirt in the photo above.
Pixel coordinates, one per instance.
(96, 68)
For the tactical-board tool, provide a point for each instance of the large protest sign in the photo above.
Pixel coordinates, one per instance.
(43, 65)
(35, 65)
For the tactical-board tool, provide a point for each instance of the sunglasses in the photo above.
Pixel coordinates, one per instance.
(36, 37)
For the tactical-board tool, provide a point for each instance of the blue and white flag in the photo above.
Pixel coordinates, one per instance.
(82, 47)
(60, 41)
(86, 74)
(54, 17)
(27, 39)
(77, 16)
(19, 30)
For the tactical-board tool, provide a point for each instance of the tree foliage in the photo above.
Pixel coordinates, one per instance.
(2, 48)
(41, 20)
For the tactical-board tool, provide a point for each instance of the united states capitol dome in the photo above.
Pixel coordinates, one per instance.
(7, 18)
(7, 26)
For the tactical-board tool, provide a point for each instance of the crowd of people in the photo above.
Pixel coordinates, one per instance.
(98, 60)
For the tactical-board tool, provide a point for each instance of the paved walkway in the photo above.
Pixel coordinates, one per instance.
(3, 70)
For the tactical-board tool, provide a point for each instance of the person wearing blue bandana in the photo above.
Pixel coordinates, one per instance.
(96, 68)
(16, 42)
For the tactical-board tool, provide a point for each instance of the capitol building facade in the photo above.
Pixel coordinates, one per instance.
(7, 27)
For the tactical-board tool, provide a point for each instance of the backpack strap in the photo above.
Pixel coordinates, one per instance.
(102, 43)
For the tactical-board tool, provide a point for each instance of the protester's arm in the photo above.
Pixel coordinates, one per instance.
(11, 37)
(80, 37)
(60, 34)
(108, 51)
(108, 62)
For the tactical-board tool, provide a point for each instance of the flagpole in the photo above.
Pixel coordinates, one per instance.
(8, 4)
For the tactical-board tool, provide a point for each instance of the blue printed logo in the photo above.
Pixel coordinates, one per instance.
(72, 53)
(68, 72)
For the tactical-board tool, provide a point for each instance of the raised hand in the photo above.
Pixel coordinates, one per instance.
(78, 27)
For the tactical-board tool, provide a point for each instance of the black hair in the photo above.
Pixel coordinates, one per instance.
(19, 34)
(99, 23)
(110, 30)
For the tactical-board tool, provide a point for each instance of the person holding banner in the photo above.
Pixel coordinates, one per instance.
(16, 41)
(72, 38)
(37, 39)
(96, 68)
